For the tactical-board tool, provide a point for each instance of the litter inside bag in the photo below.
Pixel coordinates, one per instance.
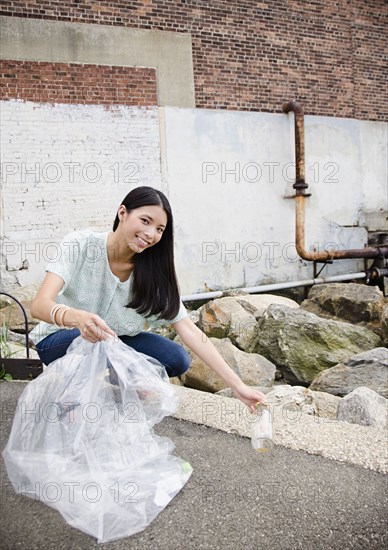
(82, 440)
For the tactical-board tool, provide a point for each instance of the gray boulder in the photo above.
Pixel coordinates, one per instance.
(13, 317)
(302, 344)
(166, 329)
(235, 292)
(218, 318)
(369, 369)
(253, 369)
(227, 392)
(256, 304)
(355, 303)
(364, 406)
(23, 294)
(326, 405)
(11, 314)
(291, 401)
(384, 325)
(235, 317)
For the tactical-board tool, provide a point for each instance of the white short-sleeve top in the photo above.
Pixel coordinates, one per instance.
(89, 284)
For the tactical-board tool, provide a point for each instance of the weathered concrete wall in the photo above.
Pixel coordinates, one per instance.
(226, 173)
(235, 226)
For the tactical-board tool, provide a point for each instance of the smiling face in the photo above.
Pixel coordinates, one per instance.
(143, 227)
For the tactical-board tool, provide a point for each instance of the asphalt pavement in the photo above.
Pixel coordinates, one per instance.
(234, 499)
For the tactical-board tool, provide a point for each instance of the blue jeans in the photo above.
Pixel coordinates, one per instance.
(174, 357)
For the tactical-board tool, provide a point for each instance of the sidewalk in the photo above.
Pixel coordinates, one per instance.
(286, 499)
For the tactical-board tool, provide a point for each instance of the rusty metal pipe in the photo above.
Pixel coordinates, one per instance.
(300, 187)
(300, 182)
(327, 255)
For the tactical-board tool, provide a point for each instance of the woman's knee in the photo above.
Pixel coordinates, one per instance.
(173, 356)
(179, 363)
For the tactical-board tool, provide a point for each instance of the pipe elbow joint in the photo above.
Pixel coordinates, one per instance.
(293, 106)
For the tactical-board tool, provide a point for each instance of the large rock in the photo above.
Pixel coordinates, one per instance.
(326, 405)
(355, 303)
(236, 317)
(258, 303)
(366, 407)
(214, 320)
(13, 317)
(227, 392)
(302, 344)
(11, 314)
(235, 292)
(369, 369)
(384, 325)
(23, 294)
(295, 400)
(167, 330)
(291, 401)
(253, 369)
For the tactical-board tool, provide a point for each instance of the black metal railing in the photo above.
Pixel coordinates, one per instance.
(24, 368)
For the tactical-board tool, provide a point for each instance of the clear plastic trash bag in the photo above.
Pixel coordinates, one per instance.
(82, 439)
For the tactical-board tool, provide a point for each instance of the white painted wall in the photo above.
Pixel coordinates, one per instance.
(226, 174)
(66, 167)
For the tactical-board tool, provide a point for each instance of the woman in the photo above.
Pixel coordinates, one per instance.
(105, 284)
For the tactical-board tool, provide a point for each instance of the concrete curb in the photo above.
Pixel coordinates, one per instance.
(360, 445)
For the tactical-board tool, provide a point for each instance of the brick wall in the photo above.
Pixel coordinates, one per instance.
(251, 55)
(77, 83)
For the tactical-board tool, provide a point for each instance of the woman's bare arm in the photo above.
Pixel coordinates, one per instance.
(91, 326)
(45, 300)
(200, 344)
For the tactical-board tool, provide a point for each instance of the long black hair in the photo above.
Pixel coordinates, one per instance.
(155, 288)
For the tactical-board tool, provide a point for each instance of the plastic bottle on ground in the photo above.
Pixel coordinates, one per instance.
(261, 429)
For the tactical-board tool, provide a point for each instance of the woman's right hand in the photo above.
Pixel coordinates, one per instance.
(92, 327)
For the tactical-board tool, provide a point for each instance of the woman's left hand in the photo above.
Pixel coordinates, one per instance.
(249, 396)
